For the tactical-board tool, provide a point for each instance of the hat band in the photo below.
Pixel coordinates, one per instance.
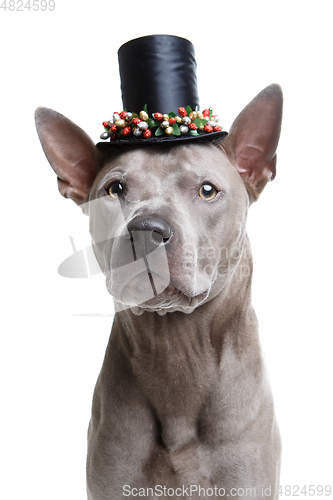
(187, 123)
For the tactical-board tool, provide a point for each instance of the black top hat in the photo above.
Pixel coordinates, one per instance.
(160, 95)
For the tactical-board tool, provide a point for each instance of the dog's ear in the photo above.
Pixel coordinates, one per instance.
(253, 138)
(70, 152)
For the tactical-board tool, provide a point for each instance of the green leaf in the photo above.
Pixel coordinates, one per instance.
(200, 122)
(210, 113)
(151, 123)
(193, 132)
(176, 129)
(159, 131)
(189, 110)
(172, 114)
(145, 108)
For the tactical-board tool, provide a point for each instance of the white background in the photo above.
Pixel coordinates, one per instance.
(50, 358)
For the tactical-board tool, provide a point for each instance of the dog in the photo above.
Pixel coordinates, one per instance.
(182, 407)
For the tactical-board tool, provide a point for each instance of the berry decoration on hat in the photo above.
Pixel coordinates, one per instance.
(188, 122)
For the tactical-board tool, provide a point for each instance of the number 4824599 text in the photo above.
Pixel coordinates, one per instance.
(27, 5)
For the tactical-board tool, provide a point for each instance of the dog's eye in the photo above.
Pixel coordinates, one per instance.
(116, 189)
(207, 192)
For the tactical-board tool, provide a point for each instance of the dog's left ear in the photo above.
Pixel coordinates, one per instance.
(253, 138)
(70, 151)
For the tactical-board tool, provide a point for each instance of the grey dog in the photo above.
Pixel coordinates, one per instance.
(182, 406)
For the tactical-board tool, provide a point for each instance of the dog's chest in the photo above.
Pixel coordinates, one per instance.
(165, 410)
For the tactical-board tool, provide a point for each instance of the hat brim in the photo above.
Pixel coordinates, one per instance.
(153, 141)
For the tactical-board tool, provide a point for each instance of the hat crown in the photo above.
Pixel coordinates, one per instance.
(159, 71)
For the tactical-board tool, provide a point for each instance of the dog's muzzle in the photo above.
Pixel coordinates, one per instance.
(139, 269)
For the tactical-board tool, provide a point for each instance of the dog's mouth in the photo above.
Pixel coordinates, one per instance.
(149, 291)
(171, 299)
(155, 281)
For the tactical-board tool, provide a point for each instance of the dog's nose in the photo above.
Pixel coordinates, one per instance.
(159, 228)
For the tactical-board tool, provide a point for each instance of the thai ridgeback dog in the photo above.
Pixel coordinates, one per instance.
(182, 407)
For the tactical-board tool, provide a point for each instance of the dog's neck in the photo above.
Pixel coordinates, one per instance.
(190, 352)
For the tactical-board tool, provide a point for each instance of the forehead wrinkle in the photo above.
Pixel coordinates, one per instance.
(162, 169)
(189, 158)
(173, 164)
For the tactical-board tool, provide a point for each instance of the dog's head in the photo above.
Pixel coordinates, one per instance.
(167, 221)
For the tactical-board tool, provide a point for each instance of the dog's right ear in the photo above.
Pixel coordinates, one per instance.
(70, 152)
(253, 138)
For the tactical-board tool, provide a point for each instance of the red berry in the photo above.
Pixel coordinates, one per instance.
(123, 115)
(113, 137)
(147, 133)
(114, 128)
(172, 120)
(208, 128)
(158, 117)
(192, 126)
(136, 121)
(217, 128)
(126, 130)
(106, 125)
(206, 113)
(182, 112)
